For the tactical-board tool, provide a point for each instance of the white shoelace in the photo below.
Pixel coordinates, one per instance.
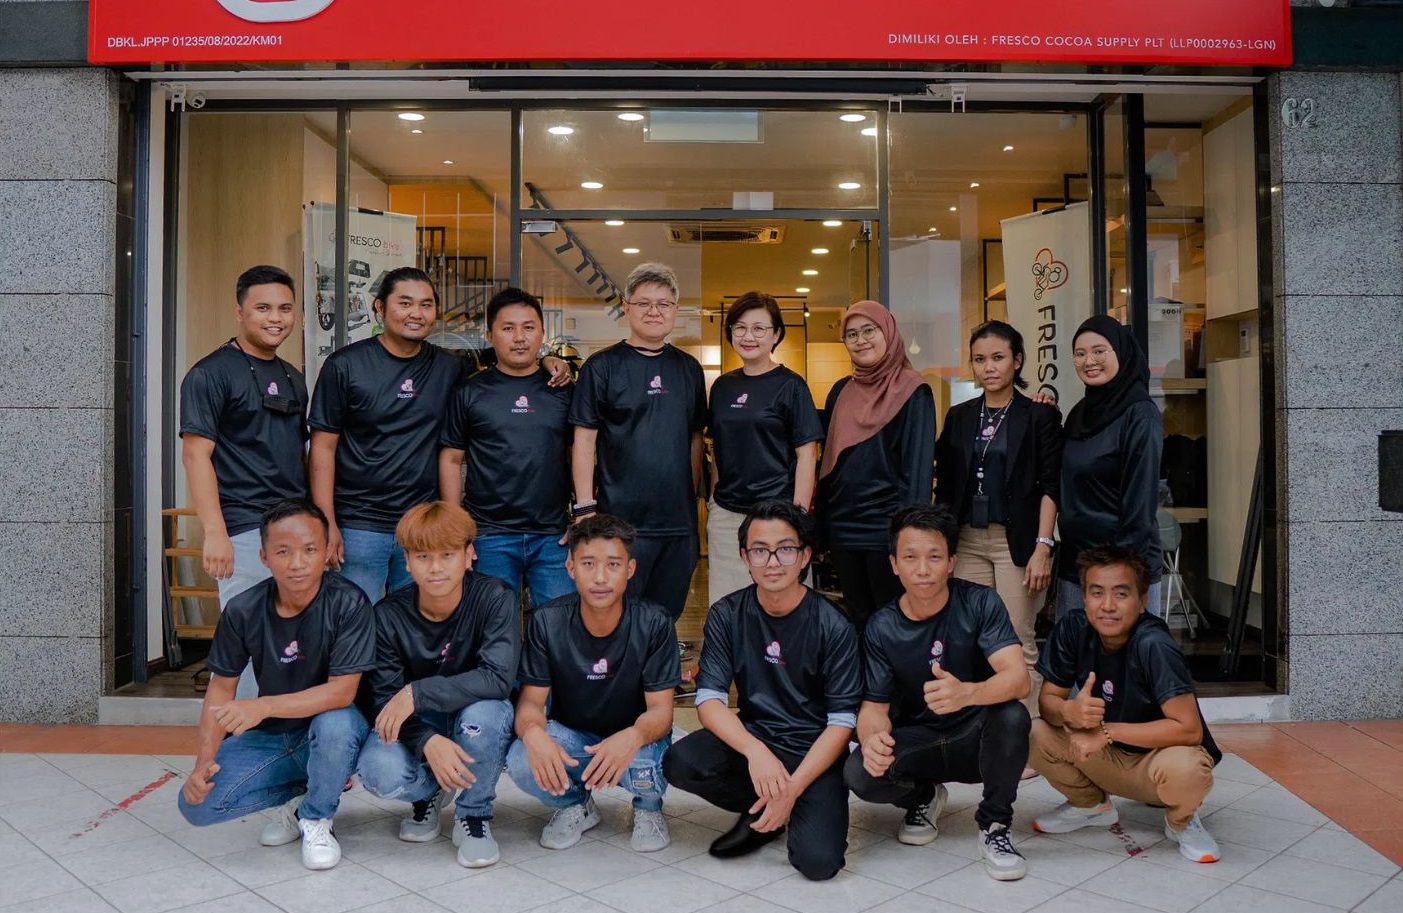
(317, 832)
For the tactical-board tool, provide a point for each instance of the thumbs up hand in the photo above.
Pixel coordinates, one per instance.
(1085, 711)
(946, 694)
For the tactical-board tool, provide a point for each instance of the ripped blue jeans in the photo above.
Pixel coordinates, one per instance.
(643, 778)
(483, 729)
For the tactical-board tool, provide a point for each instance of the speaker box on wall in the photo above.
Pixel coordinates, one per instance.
(1391, 471)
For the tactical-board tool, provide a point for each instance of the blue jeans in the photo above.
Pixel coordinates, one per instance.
(259, 770)
(1069, 599)
(643, 778)
(540, 559)
(374, 562)
(483, 729)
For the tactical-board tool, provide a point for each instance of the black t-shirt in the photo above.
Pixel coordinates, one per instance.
(1135, 681)
(470, 656)
(515, 434)
(790, 673)
(333, 635)
(874, 479)
(646, 409)
(258, 453)
(994, 462)
(388, 411)
(598, 683)
(897, 652)
(756, 424)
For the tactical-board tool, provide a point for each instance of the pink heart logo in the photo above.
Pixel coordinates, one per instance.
(1048, 273)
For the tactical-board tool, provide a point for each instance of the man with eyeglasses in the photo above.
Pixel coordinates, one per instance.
(793, 659)
(638, 411)
(243, 433)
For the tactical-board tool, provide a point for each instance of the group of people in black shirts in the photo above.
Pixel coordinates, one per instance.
(370, 606)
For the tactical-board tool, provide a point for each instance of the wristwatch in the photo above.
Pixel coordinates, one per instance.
(1044, 540)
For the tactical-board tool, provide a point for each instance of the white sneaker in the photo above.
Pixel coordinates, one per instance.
(1002, 860)
(1066, 818)
(921, 824)
(1195, 843)
(649, 831)
(319, 847)
(283, 828)
(568, 825)
(476, 847)
(424, 822)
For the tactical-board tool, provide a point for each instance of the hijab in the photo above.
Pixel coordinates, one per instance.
(1103, 404)
(875, 394)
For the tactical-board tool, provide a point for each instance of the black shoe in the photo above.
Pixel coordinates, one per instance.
(742, 839)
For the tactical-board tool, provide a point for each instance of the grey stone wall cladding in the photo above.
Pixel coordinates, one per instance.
(58, 173)
(1338, 220)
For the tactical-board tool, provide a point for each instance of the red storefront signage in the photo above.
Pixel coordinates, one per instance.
(1191, 32)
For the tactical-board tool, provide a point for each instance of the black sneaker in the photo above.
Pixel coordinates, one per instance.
(919, 826)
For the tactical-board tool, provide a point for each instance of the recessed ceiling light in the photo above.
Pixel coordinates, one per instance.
(448, 161)
(560, 130)
(853, 118)
(416, 130)
(591, 185)
(933, 228)
(630, 250)
(410, 115)
(954, 209)
(810, 272)
(803, 290)
(850, 185)
(973, 185)
(614, 222)
(819, 250)
(1008, 148)
(869, 131)
(631, 116)
(832, 223)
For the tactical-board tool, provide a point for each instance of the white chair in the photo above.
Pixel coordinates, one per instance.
(1171, 535)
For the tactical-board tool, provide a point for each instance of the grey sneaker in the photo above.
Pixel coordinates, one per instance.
(1002, 860)
(1066, 818)
(425, 821)
(319, 847)
(920, 825)
(476, 848)
(283, 828)
(649, 831)
(568, 825)
(1195, 843)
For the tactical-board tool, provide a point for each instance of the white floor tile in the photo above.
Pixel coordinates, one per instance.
(845, 893)
(15, 849)
(574, 904)
(123, 859)
(1342, 849)
(71, 807)
(1318, 882)
(1161, 888)
(1226, 792)
(663, 888)
(337, 890)
(222, 839)
(972, 887)
(1079, 901)
(417, 867)
(1236, 861)
(407, 903)
(588, 865)
(1275, 802)
(96, 771)
(372, 839)
(78, 900)
(86, 834)
(688, 839)
(30, 881)
(1127, 838)
(256, 866)
(244, 902)
(1233, 767)
(1387, 899)
(743, 874)
(35, 786)
(1239, 898)
(1270, 834)
(905, 867)
(169, 889)
(907, 903)
(1065, 863)
(499, 889)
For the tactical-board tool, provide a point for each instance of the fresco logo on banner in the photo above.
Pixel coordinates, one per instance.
(1048, 273)
(275, 10)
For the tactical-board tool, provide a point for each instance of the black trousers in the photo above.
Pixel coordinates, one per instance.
(991, 749)
(704, 765)
(665, 566)
(866, 580)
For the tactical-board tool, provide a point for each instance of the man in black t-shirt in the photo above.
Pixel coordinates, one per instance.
(1135, 728)
(243, 432)
(638, 416)
(511, 429)
(944, 680)
(309, 636)
(375, 420)
(607, 665)
(793, 659)
(445, 658)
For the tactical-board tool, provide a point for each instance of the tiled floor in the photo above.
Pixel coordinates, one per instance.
(93, 827)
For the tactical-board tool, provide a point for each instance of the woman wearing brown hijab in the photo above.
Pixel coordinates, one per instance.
(877, 458)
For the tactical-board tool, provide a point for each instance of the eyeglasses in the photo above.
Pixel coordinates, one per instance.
(758, 332)
(1097, 354)
(865, 334)
(662, 307)
(759, 556)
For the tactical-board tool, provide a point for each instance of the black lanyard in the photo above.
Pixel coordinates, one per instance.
(989, 425)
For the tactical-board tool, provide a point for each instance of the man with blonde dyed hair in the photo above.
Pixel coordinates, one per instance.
(446, 651)
(638, 411)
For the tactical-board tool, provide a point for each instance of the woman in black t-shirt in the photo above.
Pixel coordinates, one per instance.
(764, 431)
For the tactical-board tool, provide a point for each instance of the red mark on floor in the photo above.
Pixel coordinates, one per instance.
(129, 801)
(1131, 847)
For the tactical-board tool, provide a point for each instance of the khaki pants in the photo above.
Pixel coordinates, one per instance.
(726, 572)
(984, 558)
(1178, 777)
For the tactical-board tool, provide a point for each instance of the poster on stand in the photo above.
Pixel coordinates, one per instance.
(379, 242)
(1047, 274)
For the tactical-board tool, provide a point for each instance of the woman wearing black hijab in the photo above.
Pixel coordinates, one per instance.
(1110, 465)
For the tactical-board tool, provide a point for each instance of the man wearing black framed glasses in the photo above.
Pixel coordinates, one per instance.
(793, 659)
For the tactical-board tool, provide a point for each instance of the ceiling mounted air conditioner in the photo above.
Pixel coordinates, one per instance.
(725, 234)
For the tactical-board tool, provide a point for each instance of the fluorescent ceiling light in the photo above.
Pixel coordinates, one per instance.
(591, 185)
(614, 222)
(631, 116)
(869, 131)
(850, 185)
(630, 250)
(448, 161)
(416, 130)
(560, 130)
(810, 272)
(853, 118)
(1008, 148)
(954, 209)
(803, 290)
(832, 223)
(819, 250)
(973, 185)
(410, 115)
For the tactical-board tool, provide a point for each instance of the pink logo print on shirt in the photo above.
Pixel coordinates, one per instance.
(522, 402)
(601, 667)
(657, 382)
(272, 388)
(772, 654)
(1108, 690)
(289, 653)
(408, 385)
(740, 400)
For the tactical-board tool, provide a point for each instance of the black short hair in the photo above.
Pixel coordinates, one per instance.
(1114, 556)
(403, 274)
(261, 275)
(932, 518)
(1008, 334)
(513, 295)
(600, 526)
(756, 301)
(292, 507)
(780, 509)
